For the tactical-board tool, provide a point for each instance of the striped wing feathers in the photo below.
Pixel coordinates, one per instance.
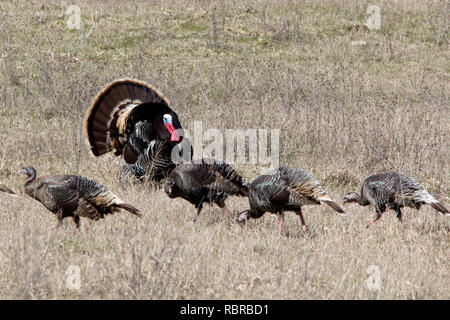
(88, 198)
(213, 175)
(302, 186)
(395, 188)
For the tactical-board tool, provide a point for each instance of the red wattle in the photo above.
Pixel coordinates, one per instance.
(174, 136)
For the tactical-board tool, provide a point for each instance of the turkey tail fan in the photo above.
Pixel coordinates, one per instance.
(332, 204)
(110, 108)
(130, 209)
(439, 207)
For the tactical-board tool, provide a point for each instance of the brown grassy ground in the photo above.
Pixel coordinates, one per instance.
(344, 111)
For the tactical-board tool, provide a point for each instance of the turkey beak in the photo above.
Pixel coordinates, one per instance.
(174, 135)
(346, 200)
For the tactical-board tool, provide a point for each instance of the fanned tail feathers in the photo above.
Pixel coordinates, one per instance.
(109, 109)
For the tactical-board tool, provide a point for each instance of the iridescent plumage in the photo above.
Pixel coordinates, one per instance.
(393, 191)
(285, 189)
(205, 180)
(73, 196)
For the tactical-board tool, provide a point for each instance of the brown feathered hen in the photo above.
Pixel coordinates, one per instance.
(393, 191)
(73, 196)
(205, 180)
(285, 189)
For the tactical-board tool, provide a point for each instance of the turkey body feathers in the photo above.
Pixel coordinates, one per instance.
(205, 180)
(396, 190)
(393, 191)
(156, 160)
(210, 179)
(75, 196)
(285, 189)
(129, 117)
(106, 120)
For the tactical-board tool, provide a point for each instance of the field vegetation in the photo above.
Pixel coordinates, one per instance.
(349, 101)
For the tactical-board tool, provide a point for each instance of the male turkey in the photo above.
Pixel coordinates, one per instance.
(205, 180)
(285, 189)
(73, 196)
(155, 162)
(7, 190)
(393, 191)
(133, 119)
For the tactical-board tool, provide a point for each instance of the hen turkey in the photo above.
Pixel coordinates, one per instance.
(285, 189)
(393, 191)
(73, 196)
(205, 180)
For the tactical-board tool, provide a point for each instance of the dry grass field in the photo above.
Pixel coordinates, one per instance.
(345, 109)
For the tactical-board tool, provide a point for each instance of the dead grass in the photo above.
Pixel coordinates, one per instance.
(344, 111)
